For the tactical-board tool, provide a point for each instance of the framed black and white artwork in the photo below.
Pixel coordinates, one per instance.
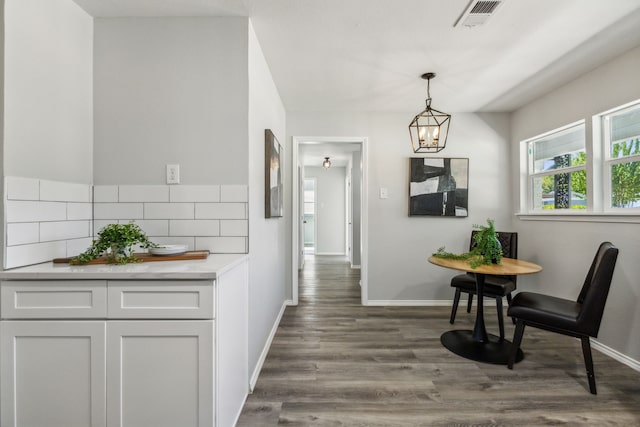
(273, 188)
(438, 187)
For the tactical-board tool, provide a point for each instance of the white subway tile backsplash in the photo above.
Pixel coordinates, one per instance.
(194, 227)
(99, 224)
(76, 211)
(222, 245)
(50, 219)
(18, 256)
(64, 191)
(194, 193)
(63, 230)
(28, 211)
(184, 240)
(23, 233)
(105, 193)
(168, 210)
(234, 193)
(143, 193)
(116, 211)
(22, 188)
(221, 211)
(152, 227)
(77, 246)
(234, 227)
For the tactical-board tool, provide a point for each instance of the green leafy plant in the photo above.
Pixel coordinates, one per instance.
(486, 247)
(116, 242)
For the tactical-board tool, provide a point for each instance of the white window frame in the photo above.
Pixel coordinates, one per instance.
(598, 169)
(608, 162)
(529, 205)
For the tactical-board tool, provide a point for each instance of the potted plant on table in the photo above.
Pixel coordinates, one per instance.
(116, 242)
(486, 247)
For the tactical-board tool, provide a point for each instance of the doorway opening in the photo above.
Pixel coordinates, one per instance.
(307, 208)
(309, 212)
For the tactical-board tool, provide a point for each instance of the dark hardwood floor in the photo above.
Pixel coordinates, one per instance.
(334, 362)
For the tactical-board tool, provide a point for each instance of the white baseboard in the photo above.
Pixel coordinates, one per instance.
(615, 354)
(491, 302)
(237, 417)
(330, 253)
(355, 267)
(410, 302)
(256, 372)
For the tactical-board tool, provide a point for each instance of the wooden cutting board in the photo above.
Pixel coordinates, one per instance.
(146, 257)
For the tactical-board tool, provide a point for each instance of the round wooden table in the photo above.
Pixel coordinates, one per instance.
(477, 344)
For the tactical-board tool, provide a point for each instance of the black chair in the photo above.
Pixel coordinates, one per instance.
(580, 319)
(496, 287)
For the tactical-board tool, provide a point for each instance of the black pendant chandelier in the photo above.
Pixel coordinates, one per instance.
(429, 128)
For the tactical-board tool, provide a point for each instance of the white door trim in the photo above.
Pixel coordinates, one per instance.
(364, 213)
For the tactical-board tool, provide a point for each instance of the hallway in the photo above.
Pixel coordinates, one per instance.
(334, 362)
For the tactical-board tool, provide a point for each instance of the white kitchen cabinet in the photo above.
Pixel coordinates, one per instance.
(116, 347)
(53, 373)
(160, 373)
(54, 299)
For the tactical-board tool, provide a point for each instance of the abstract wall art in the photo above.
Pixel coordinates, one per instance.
(273, 188)
(438, 187)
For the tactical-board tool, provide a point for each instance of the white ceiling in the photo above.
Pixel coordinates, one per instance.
(313, 154)
(354, 55)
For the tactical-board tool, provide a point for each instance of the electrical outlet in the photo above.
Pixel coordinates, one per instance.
(173, 174)
(384, 193)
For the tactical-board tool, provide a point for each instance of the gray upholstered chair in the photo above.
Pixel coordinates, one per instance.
(496, 287)
(580, 318)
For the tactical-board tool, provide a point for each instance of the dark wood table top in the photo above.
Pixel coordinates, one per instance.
(508, 266)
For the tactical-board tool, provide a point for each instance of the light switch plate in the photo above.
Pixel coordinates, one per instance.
(384, 193)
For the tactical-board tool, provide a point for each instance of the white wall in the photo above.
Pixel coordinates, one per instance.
(565, 249)
(48, 96)
(268, 284)
(330, 209)
(2, 195)
(399, 245)
(171, 90)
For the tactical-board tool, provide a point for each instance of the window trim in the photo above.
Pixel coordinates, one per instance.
(608, 162)
(597, 169)
(527, 205)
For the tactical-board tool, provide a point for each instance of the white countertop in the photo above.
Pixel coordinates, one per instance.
(210, 268)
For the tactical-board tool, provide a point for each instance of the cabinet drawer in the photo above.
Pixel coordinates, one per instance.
(51, 299)
(160, 300)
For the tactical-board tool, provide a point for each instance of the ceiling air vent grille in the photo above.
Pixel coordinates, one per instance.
(477, 13)
(485, 7)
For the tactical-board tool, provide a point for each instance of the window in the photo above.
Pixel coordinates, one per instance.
(565, 172)
(556, 175)
(621, 141)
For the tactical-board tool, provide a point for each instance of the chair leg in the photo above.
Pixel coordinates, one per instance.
(588, 364)
(500, 317)
(515, 345)
(509, 304)
(454, 309)
(469, 303)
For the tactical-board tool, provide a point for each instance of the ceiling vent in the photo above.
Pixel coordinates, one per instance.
(477, 13)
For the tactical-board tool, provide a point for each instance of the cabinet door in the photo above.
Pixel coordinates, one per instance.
(160, 373)
(53, 373)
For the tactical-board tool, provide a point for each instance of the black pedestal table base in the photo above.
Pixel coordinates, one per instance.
(493, 350)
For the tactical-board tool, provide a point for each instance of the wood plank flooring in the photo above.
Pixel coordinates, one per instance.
(334, 362)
